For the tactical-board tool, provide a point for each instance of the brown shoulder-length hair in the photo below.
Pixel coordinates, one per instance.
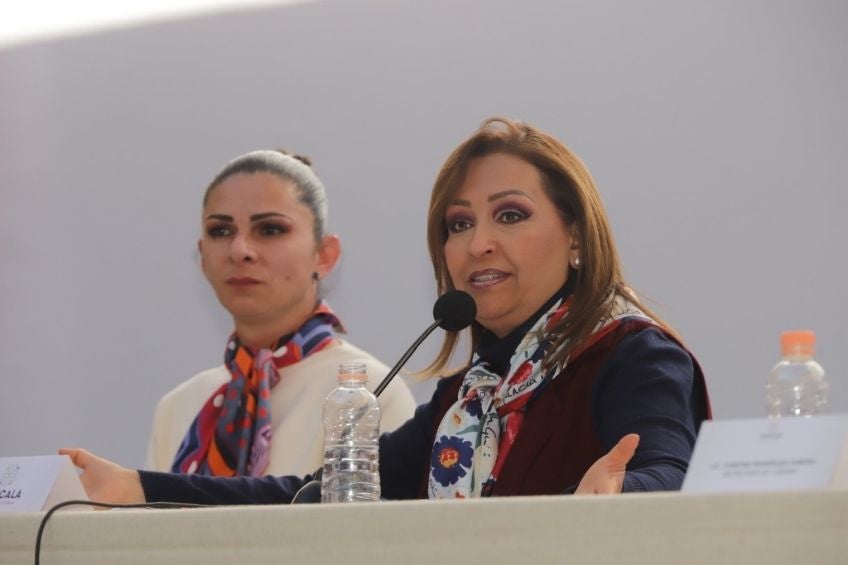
(567, 182)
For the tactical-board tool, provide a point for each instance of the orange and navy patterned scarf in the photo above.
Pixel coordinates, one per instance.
(477, 432)
(231, 434)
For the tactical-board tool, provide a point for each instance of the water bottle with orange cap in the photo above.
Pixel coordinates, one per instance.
(797, 385)
(351, 471)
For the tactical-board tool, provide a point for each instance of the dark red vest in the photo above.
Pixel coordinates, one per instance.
(558, 441)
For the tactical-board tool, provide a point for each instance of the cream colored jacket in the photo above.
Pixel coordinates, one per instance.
(296, 402)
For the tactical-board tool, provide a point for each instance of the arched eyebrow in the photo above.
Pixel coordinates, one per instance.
(254, 218)
(493, 197)
(266, 215)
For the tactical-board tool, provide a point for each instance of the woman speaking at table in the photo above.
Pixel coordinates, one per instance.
(573, 384)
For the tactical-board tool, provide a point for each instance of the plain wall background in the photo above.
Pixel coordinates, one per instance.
(717, 133)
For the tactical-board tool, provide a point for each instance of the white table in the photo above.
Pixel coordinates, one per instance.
(810, 528)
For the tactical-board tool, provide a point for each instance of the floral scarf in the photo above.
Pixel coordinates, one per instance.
(477, 432)
(231, 434)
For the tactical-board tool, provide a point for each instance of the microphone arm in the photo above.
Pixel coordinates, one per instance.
(360, 412)
(394, 370)
(453, 311)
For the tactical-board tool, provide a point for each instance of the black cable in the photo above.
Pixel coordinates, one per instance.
(101, 505)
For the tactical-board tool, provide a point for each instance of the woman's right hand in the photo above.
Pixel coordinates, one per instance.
(105, 481)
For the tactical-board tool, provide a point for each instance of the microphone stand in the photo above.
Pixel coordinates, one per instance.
(394, 370)
(311, 491)
(456, 310)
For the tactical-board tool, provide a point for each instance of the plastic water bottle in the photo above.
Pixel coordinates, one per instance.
(351, 433)
(796, 385)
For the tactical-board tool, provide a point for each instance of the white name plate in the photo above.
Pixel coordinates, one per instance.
(770, 454)
(30, 484)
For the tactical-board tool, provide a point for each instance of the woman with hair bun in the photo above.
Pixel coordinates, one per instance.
(265, 249)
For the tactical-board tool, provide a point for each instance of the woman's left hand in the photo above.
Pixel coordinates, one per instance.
(606, 475)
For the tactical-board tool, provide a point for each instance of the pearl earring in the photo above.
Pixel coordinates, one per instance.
(575, 262)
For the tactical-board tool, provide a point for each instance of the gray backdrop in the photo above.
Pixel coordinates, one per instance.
(717, 132)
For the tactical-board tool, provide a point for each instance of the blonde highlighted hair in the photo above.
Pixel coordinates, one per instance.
(570, 186)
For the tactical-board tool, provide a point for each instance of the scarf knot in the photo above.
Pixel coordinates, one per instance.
(231, 435)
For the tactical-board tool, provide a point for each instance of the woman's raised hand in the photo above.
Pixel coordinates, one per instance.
(606, 475)
(105, 481)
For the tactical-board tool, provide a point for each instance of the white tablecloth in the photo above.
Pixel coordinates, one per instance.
(808, 528)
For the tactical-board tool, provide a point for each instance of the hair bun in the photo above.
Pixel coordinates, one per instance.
(302, 158)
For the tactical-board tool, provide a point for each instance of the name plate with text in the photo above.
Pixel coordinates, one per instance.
(770, 454)
(30, 484)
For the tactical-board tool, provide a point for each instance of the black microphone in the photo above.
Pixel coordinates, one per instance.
(453, 311)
